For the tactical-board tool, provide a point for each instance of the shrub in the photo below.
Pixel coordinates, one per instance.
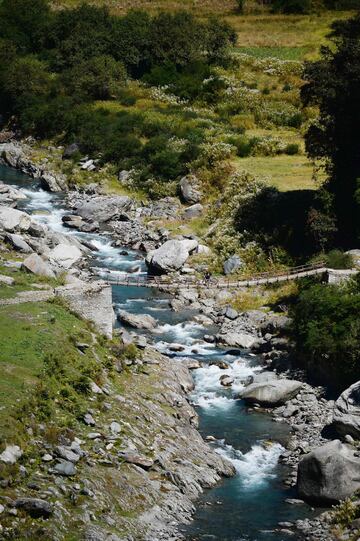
(336, 259)
(292, 149)
(292, 6)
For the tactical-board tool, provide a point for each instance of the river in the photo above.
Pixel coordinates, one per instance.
(249, 506)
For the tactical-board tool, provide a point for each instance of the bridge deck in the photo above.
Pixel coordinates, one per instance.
(191, 282)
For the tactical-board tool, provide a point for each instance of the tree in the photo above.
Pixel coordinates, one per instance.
(333, 85)
(26, 77)
(98, 78)
(25, 23)
(292, 6)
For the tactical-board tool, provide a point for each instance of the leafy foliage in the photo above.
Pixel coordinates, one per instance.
(327, 332)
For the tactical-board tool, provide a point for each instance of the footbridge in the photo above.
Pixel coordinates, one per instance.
(166, 282)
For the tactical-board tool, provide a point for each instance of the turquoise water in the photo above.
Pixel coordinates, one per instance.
(249, 506)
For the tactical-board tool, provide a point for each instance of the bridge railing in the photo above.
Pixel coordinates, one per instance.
(147, 280)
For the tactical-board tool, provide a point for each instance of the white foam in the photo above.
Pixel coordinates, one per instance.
(256, 467)
(183, 332)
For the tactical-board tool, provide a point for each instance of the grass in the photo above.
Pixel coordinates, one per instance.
(29, 334)
(282, 53)
(284, 172)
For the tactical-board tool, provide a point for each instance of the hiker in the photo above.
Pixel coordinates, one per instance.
(207, 277)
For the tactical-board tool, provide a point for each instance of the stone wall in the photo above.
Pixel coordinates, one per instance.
(91, 301)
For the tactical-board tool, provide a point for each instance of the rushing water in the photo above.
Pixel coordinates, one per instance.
(249, 506)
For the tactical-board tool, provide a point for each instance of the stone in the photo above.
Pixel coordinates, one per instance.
(47, 458)
(115, 428)
(230, 313)
(65, 255)
(53, 183)
(138, 460)
(66, 453)
(18, 243)
(194, 211)
(36, 265)
(233, 339)
(203, 250)
(14, 220)
(11, 454)
(172, 255)
(189, 189)
(11, 154)
(89, 419)
(70, 151)
(35, 507)
(220, 364)
(137, 321)
(7, 280)
(328, 474)
(65, 468)
(272, 393)
(232, 264)
(346, 418)
(226, 381)
(124, 177)
(104, 208)
(190, 244)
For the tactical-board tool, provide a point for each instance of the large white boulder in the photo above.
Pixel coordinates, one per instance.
(169, 257)
(13, 220)
(65, 255)
(138, 321)
(329, 474)
(36, 265)
(271, 393)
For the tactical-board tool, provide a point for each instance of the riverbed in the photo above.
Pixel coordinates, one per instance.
(249, 506)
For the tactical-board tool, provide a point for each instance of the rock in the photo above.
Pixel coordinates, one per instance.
(11, 454)
(194, 211)
(66, 453)
(47, 458)
(138, 321)
(189, 189)
(89, 419)
(169, 257)
(36, 265)
(232, 264)
(347, 412)
(203, 250)
(70, 151)
(11, 154)
(124, 177)
(272, 393)
(226, 381)
(13, 220)
(65, 468)
(115, 428)
(355, 254)
(103, 208)
(230, 313)
(328, 474)
(35, 507)
(7, 280)
(18, 243)
(138, 460)
(190, 244)
(53, 183)
(65, 255)
(233, 339)
(220, 364)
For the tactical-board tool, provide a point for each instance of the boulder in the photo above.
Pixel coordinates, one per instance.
(11, 454)
(328, 474)
(7, 280)
(190, 244)
(11, 154)
(194, 211)
(347, 412)
(36, 265)
(203, 249)
(232, 264)
(53, 183)
(355, 254)
(13, 220)
(65, 255)
(235, 339)
(137, 459)
(137, 321)
(35, 507)
(169, 257)
(65, 468)
(189, 189)
(70, 151)
(104, 208)
(271, 393)
(18, 243)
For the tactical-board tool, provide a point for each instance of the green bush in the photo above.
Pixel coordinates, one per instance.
(292, 149)
(327, 332)
(336, 259)
(292, 6)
